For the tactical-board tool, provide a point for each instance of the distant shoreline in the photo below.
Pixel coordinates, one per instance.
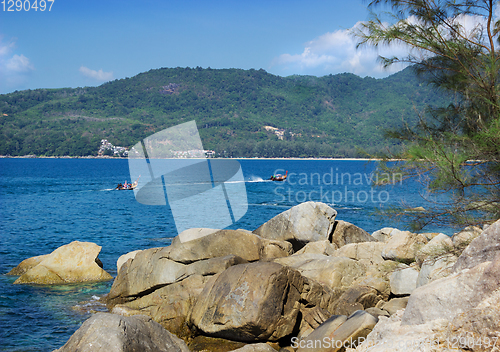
(114, 158)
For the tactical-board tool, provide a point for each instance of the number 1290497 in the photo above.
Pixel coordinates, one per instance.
(26, 5)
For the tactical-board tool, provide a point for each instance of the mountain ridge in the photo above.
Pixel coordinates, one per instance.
(330, 116)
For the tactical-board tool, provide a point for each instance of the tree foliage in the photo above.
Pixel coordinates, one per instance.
(455, 149)
(330, 116)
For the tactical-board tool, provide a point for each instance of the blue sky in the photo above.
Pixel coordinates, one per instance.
(86, 43)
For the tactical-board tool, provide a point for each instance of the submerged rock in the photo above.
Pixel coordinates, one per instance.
(71, 263)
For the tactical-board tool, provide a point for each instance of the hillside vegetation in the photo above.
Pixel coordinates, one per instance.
(332, 116)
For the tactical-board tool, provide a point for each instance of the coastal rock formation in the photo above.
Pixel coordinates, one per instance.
(403, 246)
(27, 264)
(403, 279)
(301, 279)
(339, 332)
(250, 302)
(345, 233)
(301, 224)
(104, 332)
(74, 262)
(485, 247)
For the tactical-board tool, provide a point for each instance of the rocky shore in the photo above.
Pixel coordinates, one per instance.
(303, 281)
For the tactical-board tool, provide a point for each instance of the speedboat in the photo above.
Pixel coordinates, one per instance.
(279, 177)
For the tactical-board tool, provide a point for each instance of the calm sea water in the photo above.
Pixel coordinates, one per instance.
(46, 203)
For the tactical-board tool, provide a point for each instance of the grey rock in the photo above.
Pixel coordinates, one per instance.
(349, 332)
(256, 347)
(105, 332)
(446, 298)
(346, 233)
(395, 304)
(403, 246)
(485, 247)
(436, 268)
(249, 302)
(403, 280)
(301, 224)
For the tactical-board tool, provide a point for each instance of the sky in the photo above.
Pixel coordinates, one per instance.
(89, 42)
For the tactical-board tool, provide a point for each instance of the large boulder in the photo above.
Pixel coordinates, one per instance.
(437, 246)
(477, 329)
(225, 242)
(169, 305)
(153, 268)
(250, 302)
(463, 238)
(27, 264)
(345, 233)
(485, 247)
(404, 279)
(336, 334)
(446, 298)
(389, 335)
(436, 268)
(74, 262)
(105, 332)
(403, 246)
(337, 273)
(150, 270)
(301, 224)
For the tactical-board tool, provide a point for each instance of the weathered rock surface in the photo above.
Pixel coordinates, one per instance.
(357, 298)
(403, 280)
(304, 223)
(170, 305)
(104, 332)
(346, 233)
(333, 272)
(403, 246)
(463, 238)
(27, 264)
(74, 262)
(439, 245)
(389, 335)
(123, 258)
(368, 253)
(156, 267)
(446, 298)
(256, 347)
(250, 302)
(394, 304)
(193, 234)
(485, 247)
(324, 247)
(334, 334)
(477, 329)
(436, 268)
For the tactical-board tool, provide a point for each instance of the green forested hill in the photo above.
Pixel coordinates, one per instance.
(336, 115)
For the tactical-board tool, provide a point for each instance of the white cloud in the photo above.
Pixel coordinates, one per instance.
(335, 52)
(14, 68)
(96, 75)
(19, 63)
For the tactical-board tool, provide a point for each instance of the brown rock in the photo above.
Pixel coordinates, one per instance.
(74, 262)
(249, 302)
(346, 233)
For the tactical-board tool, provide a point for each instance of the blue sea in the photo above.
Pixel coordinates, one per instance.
(47, 203)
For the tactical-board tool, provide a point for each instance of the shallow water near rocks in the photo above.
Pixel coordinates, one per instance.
(47, 203)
